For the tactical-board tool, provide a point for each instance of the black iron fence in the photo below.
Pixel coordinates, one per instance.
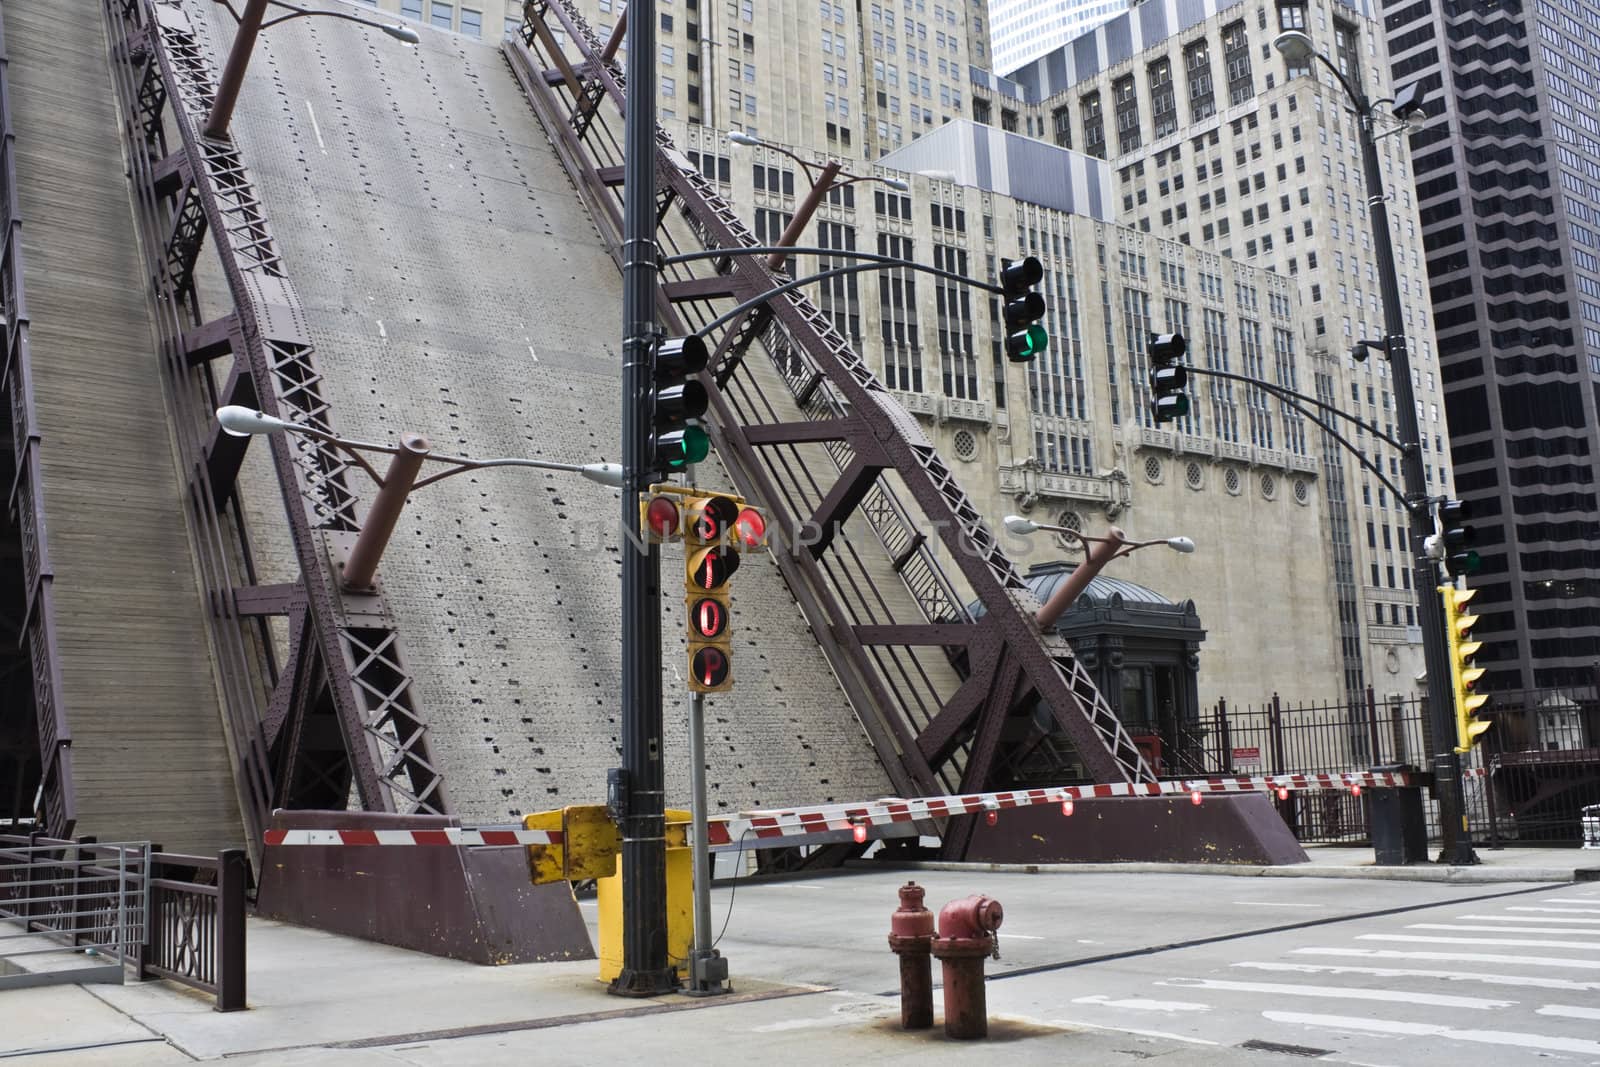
(175, 916)
(1526, 781)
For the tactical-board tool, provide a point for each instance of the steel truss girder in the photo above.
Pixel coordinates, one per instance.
(341, 710)
(867, 433)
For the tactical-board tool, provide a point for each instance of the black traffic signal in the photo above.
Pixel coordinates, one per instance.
(1167, 376)
(1025, 338)
(675, 398)
(1456, 537)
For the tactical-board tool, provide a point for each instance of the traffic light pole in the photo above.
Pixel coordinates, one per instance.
(1456, 842)
(638, 795)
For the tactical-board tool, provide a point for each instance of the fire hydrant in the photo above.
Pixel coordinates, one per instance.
(911, 938)
(966, 935)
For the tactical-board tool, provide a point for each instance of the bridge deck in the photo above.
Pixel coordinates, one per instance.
(148, 738)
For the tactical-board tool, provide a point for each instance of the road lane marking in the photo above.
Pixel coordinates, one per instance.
(1075, 1023)
(1141, 1004)
(1542, 1042)
(1530, 919)
(1284, 989)
(315, 128)
(1519, 941)
(1504, 929)
(1417, 972)
(1453, 957)
(1558, 911)
(1567, 1011)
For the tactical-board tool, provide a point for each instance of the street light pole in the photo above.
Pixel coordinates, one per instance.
(1098, 551)
(244, 41)
(396, 484)
(637, 788)
(1456, 842)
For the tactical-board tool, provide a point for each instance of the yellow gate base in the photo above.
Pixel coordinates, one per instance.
(680, 903)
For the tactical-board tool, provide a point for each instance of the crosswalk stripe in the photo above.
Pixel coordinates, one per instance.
(1530, 918)
(1592, 899)
(1504, 929)
(1454, 957)
(1567, 1011)
(1518, 941)
(1417, 972)
(1284, 989)
(1559, 911)
(1543, 1042)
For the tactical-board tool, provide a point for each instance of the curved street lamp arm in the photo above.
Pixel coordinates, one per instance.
(462, 464)
(1283, 392)
(1363, 106)
(295, 11)
(878, 263)
(1377, 471)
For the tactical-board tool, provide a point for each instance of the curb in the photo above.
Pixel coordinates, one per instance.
(1416, 873)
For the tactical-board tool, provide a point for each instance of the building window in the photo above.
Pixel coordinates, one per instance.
(1062, 117)
(411, 9)
(1094, 126)
(1197, 62)
(442, 15)
(1236, 56)
(1349, 59)
(1127, 103)
(1163, 98)
(471, 22)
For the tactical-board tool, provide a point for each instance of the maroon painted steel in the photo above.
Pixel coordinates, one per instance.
(343, 711)
(911, 938)
(33, 719)
(468, 903)
(1241, 828)
(901, 688)
(966, 937)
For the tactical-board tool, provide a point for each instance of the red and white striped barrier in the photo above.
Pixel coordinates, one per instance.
(449, 835)
(728, 832)
(889, 817)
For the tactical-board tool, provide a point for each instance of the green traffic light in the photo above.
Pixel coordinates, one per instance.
(1026, 343)
(686, 446)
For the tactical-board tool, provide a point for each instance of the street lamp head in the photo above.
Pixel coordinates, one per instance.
(404, 34)
(1018, 525)
(604, 473)
(1295, 46)
(245, 422)
(1180, 544)
(739, 137)
(897, 184)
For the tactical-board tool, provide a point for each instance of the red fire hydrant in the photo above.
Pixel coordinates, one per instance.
(966, 935)
(911, 938)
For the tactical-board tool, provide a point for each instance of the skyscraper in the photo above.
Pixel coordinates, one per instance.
(1508, 182)
(1024, 30)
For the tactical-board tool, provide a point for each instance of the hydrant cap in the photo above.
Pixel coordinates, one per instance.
(970, 917)
(911, 896)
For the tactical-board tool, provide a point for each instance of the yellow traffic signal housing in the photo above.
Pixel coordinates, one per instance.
(707, 596)
(1464, 675)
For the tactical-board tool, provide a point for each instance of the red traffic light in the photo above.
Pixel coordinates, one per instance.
(750, 529)
(708, 618)
(712, 567)
(711, 519)
(710, 666)
(661, 518)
